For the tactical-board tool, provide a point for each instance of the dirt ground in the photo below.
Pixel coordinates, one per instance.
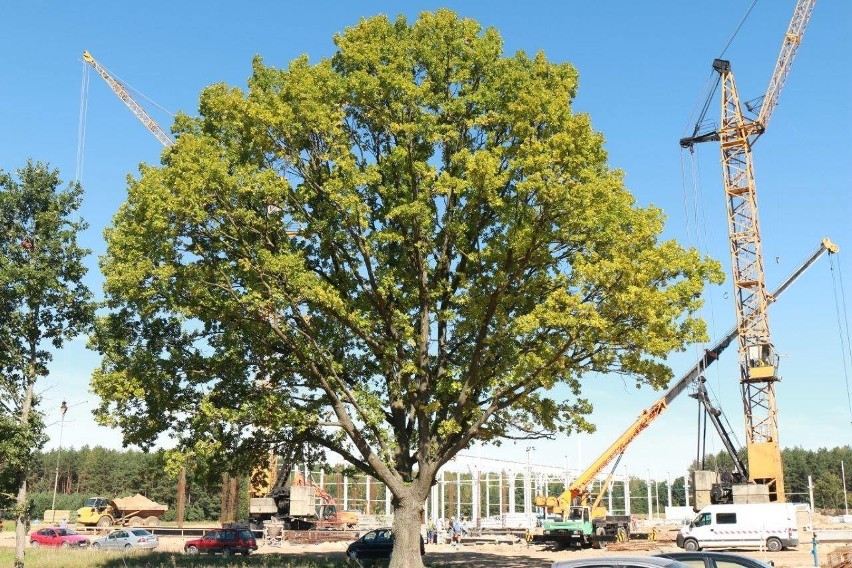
(508, 555)
(522, 556)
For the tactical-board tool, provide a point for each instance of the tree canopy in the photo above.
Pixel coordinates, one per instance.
(44, 303)
(387, 253)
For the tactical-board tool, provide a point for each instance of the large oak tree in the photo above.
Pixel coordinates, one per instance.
(388, 254)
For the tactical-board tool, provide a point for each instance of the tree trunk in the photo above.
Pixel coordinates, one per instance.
(22, 510)
(233, 500)
(407, 521)
(21, 518)
(181, 497)
(223, 507)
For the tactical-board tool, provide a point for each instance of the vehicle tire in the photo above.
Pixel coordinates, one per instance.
(192, 549)
(226, 552)
(34, 543)
(599, 544)
(773, 544)
(96, 546)
(128, 546)
(104, 521)
(691, 545)
(151, 521)
(65, 544)
(136, 521)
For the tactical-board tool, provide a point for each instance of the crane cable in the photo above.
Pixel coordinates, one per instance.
(715, 79)
(84, 108)
(842, 322)
(81, 125)
(737, 31)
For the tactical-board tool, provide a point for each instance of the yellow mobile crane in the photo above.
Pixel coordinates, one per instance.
(757, 356)
(584, 525)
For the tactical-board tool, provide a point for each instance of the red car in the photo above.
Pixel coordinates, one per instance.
(227, 541)
(55, 536)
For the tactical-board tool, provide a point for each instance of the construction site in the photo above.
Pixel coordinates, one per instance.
(529, 504)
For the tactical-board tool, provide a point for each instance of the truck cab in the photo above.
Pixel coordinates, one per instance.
(93, 510)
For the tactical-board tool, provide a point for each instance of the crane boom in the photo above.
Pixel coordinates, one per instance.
(789, 47)
(119, 89)
(579, 487)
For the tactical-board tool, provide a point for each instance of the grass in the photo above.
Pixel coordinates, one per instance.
(57, 558)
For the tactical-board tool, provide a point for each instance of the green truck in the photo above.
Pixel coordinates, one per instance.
(580, 529)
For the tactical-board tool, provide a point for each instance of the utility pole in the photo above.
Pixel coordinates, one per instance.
(62, 410)
(811, 493)
(845, 497)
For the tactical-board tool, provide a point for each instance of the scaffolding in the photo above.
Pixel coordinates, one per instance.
(485, 491)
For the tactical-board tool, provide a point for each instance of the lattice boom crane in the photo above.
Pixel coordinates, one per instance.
(758, 358)
(119, 89)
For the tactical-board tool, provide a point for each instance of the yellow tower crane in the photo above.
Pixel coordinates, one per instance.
(757, 356)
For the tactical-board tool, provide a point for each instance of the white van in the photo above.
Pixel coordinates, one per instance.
(757, 525)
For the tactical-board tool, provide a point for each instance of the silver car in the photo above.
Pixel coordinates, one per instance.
(127, 539)
(620, 562)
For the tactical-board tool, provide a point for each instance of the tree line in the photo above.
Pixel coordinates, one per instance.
(78, 474)
(89, 471)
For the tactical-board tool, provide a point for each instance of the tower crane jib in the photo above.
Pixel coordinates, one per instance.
(119, 89)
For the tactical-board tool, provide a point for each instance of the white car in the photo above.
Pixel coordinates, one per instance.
(127, 539)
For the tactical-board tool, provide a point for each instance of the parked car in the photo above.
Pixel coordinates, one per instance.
(715, 560)
(375, 545)
(127, 539)
(227, 541)
(619, 562)
(56, 536)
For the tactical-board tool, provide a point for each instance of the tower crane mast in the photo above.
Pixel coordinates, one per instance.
(119, 89)
(758, 359)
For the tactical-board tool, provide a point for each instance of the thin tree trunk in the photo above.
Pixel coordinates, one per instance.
(22, 510)
(181, 497)
(21, 519)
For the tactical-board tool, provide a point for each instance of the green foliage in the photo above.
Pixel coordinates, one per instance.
(89, 472)
(388, 254)
(828, 490)
(43, 302)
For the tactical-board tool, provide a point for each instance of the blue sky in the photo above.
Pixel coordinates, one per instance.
(643, 68)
